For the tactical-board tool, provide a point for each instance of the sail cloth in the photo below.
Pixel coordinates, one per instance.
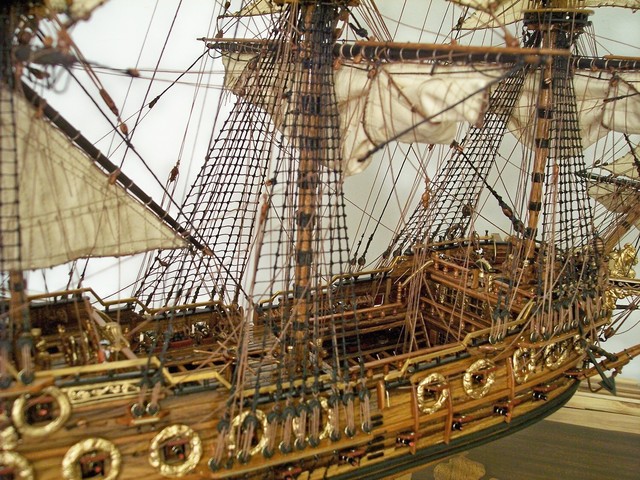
(67, 208)
(626, 166)
(605, 102)
(619, 197)
(495, 13)
(76, 9)
(378, 106)
(258, 7)
(406, 102)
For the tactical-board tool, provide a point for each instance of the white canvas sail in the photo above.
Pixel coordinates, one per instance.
(622, 198)
(626, 166)
(408, 103)
(617, 200)
(65, 207)
(604, 102)
(405, 102)
(257, 7)
(76, 8)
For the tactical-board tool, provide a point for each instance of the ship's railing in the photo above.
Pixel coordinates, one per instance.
(172, 379)
(410, 359)
(129, 301)
(334, 281)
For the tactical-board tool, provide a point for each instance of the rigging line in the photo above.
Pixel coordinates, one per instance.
(144, 101)
(144, 42)
(367, 208)
(107, 70)
(155, 100)
(118, 73)
(407, 130)
(384, 208)
(117, 131)
(372, 16)
(506, 209)
(636, 160)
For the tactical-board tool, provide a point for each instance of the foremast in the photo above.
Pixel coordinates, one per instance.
(10, 251)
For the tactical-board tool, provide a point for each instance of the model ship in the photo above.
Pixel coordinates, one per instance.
(258, 342)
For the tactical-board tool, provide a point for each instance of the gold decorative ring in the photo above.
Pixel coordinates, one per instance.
(175, 432)
(434, 382)
(21, 468)
(71, 468)
(20, 421)
(236, 425)
(555, 354)
(524, 364)
(477, 383)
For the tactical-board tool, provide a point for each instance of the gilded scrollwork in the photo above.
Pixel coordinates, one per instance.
(192, 458)
(112, 332)
(622, 261)
(92, 394)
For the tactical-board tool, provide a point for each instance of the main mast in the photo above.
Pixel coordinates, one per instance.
(557, 29)
(314, 35)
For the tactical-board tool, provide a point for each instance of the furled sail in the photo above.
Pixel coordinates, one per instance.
(405, 102)
(401, 103)
(65, 207)
(605, 102)
(496, 13)
(425, 103)
(257, 7)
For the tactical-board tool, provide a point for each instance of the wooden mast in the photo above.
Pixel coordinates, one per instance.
(309, 96)
(317, 21)
(556, 30)
(10, 216)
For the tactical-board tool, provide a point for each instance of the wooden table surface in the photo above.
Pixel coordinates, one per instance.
(564, 447)
(557, 451)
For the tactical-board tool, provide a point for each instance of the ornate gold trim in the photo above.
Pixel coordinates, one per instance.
(70, 470)
(470, 387)
(21, 467)
(524, 364)
(88, 394)
(579, 344)
(555, 354)
(236, 425)
(8, 438)
(19, 420)
(195, 451)
(622, 261)
(427, 406)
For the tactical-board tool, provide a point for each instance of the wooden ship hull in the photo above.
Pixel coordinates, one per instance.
(262, 362)
(85, 421)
